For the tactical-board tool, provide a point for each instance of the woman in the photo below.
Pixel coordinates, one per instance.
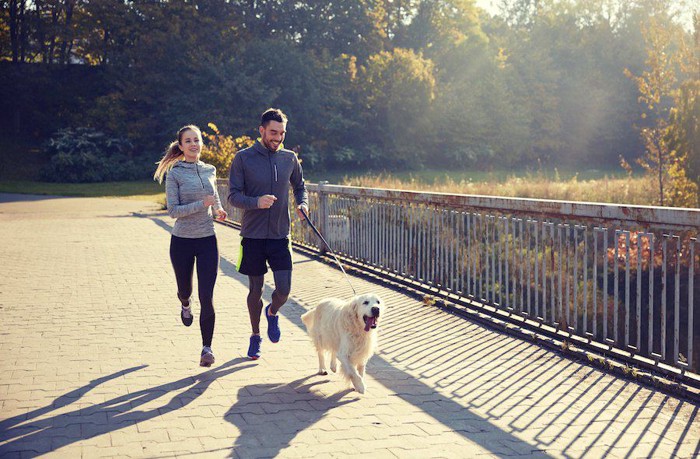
(190, 189)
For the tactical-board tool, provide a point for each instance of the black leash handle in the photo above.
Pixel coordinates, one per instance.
(318, 233)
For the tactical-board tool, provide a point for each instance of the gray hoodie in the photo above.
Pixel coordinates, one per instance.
(256, 171)
(185, 187)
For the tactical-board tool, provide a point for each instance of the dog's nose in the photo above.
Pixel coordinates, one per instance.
(375, 311)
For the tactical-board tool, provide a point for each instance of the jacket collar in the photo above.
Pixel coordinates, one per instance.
(262, 149)
(187, 165)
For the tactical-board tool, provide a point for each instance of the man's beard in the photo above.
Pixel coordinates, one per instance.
(269, 146)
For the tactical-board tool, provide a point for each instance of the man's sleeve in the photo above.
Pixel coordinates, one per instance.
(236, 186)
(298, 185)
(217, 204)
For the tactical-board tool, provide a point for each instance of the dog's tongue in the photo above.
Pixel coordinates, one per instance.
(370, 322)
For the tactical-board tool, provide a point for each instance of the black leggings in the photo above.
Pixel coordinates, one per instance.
(183, 252)
(283, 285)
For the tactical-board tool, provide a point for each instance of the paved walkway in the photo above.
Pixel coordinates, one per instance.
(95, 362)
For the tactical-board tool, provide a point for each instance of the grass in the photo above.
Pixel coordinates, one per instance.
(22, 160)
(627, 190)
(620, 190)
(438, 176)
(146, 190)
(636, 190)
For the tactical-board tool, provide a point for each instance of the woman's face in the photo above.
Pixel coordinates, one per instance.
(191, 145)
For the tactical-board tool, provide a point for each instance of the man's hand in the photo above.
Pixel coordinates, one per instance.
(265, 201)
(306, 209)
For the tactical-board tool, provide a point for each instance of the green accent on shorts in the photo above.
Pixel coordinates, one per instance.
(240, 254)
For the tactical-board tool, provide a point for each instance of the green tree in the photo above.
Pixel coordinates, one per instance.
(398, 89)
(684, 128)
(657, 88)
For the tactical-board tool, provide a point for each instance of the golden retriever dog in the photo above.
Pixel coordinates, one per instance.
(348, 331)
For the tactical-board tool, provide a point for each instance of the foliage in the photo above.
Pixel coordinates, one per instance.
(220, 149)
(657, 88)
(397, 89)
(145, 190)
(629, 190)
(87, 155)
(366, 83)
(683, 134)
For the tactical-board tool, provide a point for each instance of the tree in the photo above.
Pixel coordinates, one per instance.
(657, 89)
(684, 128)
(398, 89)
(221, 149)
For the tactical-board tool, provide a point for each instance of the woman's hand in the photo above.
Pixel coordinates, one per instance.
(221, 215)
(209, 200)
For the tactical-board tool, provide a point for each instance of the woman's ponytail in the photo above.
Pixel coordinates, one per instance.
(172, 155)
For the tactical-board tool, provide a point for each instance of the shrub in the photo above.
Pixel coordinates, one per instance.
(220, 149)
(87, 155)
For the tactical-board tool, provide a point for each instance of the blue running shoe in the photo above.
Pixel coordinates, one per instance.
(254, 347)
(273, 326)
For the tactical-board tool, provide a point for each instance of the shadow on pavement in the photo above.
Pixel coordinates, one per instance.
(288, 409)
(16, 197)
(524, 389)
(443, 409)
(34, 434)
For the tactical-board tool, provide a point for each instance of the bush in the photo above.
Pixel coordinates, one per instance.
(87, 155)
(220, 149)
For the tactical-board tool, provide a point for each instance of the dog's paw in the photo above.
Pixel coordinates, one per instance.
(322, 372)
(359, 386)
(334, 367)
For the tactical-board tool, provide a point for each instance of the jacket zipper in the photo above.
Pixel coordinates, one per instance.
(273, 170)
(196, 168)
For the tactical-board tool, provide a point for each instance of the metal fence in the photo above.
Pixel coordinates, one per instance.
(622, 277)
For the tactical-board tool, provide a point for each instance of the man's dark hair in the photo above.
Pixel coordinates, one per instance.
(272, 114)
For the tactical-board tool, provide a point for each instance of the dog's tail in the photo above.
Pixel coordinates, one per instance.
(308, 319)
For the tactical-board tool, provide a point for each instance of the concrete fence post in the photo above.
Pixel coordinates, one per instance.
(322, 214)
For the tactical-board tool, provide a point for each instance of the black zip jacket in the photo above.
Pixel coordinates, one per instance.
(256, 171)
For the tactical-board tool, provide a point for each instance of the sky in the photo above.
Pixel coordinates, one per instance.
(685, 8)
(488, 5)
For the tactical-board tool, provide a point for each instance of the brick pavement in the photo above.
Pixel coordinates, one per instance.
(95, 363)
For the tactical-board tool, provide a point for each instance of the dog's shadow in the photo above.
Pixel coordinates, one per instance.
(270, 416)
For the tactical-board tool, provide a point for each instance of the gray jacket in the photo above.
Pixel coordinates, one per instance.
(185, 187)
(256, 171)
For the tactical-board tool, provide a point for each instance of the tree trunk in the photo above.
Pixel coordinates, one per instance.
(23, 30)
(14, 30)
(67, 43)
(657, 144)
(40, 30)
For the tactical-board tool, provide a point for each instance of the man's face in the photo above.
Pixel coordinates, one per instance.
(272, 135)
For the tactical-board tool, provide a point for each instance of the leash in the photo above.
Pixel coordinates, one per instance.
(328, 247)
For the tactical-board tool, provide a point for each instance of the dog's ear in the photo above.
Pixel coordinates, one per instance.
(355, 304)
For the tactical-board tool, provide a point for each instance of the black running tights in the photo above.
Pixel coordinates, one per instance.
(183, 253)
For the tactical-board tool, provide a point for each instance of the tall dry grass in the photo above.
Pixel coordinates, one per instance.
(627, 190)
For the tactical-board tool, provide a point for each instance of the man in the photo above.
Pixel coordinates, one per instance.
(259, 183)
